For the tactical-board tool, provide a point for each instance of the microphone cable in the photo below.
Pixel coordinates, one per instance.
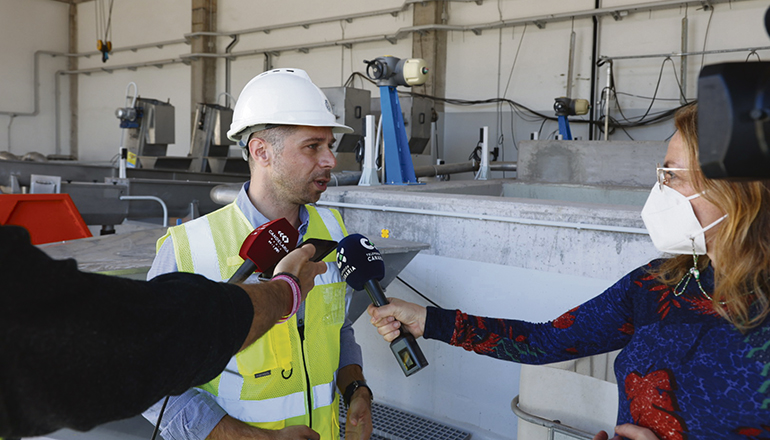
(160, 416)
(418, 292)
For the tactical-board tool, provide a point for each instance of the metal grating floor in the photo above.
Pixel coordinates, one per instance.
(393, 424)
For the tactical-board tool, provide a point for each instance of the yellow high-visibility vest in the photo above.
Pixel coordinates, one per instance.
(281, 379)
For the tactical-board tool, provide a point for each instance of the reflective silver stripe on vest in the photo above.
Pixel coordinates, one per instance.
(331, 223)
(230, 382)
(264, 411)
(203, 250)
(323, 395)
(278, 408)
(332, 275)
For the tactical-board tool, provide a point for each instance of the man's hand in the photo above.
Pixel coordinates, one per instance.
(389, 318)
(299, 432)
(298, 264)
(233, 429)
(358, 425)
(629, 431)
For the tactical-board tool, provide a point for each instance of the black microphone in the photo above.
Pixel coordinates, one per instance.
(265, 247)
(362, 267)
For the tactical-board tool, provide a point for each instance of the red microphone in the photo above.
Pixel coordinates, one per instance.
(265, 247)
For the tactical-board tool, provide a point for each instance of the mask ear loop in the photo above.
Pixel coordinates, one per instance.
(693, 272)
(690, 273)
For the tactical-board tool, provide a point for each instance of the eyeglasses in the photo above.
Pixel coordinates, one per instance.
(663, 178)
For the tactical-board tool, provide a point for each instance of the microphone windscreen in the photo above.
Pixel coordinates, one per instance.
(267, 244)
(359, 261)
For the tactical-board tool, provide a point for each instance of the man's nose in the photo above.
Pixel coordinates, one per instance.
(327, 159)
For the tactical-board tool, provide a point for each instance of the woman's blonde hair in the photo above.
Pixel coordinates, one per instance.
(741, 242)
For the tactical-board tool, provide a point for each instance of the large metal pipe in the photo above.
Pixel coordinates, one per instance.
(449, 168)
(594, 73)
(504, 166)
(352, 177)
(226, 193)
(228, 62)
(401, 33)
(345, 178)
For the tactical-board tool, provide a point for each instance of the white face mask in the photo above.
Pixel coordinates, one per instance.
(672, 223)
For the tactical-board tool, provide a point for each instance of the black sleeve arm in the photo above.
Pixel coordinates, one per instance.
(81, 349)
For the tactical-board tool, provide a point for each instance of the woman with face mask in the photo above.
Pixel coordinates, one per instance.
(693, 328)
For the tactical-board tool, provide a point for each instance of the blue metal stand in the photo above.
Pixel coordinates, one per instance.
(399, 169)
(564, 130)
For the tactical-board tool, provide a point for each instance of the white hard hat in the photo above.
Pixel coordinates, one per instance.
(281, 97)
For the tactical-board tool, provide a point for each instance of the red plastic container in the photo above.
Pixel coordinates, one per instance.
(47, 217)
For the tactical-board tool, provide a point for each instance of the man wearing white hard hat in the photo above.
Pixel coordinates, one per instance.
(284, 386)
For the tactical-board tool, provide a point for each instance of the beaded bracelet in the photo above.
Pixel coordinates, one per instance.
(295, 290)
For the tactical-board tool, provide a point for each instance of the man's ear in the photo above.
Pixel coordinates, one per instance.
(260, 151)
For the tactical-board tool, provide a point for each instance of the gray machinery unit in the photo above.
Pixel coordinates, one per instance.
(418, 115)
(150, 126)
(350, 106)
(209, 145)
(96, 190)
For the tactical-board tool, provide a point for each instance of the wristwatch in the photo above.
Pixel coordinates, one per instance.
(356, 384)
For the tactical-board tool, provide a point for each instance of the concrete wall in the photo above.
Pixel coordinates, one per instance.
(523, 63)
(623, 163)
(27, 26)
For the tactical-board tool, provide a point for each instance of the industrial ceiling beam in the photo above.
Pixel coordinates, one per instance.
(72, 64)
(431, 46)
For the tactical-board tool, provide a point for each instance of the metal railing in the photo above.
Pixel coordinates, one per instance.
(153, 198)
(556, 430)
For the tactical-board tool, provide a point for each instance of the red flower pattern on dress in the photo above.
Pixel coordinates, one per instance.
(487, 345)
(460, 337)
(702, 305)
(761, 433)
(627, 329)
(653, 404)
(665, 300)
(648, 277)
(469, 339)
(566, 320)
(749, 432)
